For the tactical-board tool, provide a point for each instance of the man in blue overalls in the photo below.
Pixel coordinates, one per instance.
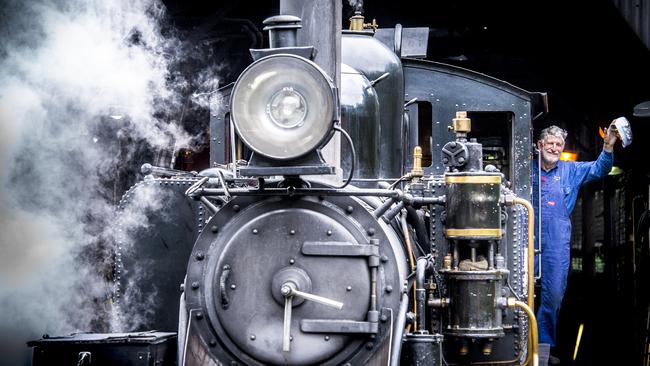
(560, 182)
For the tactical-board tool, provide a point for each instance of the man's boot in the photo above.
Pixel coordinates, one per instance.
(544, 350)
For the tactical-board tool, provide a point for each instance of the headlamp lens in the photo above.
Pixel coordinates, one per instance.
(287, 108)
(283, 106)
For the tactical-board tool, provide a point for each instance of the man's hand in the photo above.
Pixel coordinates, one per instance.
(611, 135)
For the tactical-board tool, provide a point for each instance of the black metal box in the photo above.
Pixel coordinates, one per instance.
(106, 349)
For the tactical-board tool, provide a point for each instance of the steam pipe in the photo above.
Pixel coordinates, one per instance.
(420, 294)
(390, 215)
(291, 191)
(383, 208)
(533, 355)
(531, 249)
(420, 230)
(409, 248)
(396, 345)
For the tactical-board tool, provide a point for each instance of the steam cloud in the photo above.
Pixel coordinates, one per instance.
(65, 66)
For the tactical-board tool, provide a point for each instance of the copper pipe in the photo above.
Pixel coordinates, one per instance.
(532, 325)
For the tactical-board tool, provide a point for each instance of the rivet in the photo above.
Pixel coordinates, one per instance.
(291, 338)
(255, 231)
(226, 267)
(233, 286)
(329, 232)
(200, 256)
(292, 232)
(292, 261)
(236, 208)
(371, 231)
(384, 318)
(213, 342)
(369, 345)
(349, 288)
(349, 209)
(389, 288)
(195, 285)
(384, 258)
(199, 315)
(327, 338)
(214, 228)
(253, 337)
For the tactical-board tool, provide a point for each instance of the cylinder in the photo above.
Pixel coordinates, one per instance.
(422, 350)
(473, 310)
(473, 210)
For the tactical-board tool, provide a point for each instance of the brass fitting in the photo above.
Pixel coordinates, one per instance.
(446, 262)
(462, 124)
(357, 24)
(417, 170)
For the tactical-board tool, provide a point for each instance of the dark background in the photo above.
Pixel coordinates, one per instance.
(594, 68)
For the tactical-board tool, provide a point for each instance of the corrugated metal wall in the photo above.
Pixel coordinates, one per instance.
(637, 14)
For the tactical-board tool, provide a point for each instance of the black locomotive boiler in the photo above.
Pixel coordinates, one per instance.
(420, 255)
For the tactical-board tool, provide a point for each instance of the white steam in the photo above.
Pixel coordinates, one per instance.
(64, 67)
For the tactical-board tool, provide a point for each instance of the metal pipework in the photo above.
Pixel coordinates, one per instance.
(533, 355)
(420, 295)
(511, 200)
(396, 345)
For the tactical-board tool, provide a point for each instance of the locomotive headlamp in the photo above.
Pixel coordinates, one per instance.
(283, 106)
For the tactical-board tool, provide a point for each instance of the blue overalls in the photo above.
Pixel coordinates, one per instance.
(560, 188)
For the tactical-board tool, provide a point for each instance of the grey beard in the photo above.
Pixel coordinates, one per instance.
(548, 159)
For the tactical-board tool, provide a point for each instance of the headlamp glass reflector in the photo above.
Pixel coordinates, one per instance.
(283, 106)
(287, 108)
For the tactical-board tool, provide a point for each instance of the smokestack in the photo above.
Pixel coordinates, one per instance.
(321, 28)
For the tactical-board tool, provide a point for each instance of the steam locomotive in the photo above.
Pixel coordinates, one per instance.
(422, 255)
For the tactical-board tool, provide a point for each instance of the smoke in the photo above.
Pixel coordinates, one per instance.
(66, 67)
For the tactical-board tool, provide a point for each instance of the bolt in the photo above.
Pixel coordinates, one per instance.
(200, 256)
(199, 315)
(389, 288)
(445, 160)
(195, 285)
(369, 345)
(461, 159)
(182, 287)
(384, 318)
(384, 258)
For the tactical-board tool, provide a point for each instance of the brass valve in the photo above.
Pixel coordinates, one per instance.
(462, 124)
(357, 24)
(417, 170)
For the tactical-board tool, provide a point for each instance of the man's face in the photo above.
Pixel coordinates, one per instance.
(551, 148)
